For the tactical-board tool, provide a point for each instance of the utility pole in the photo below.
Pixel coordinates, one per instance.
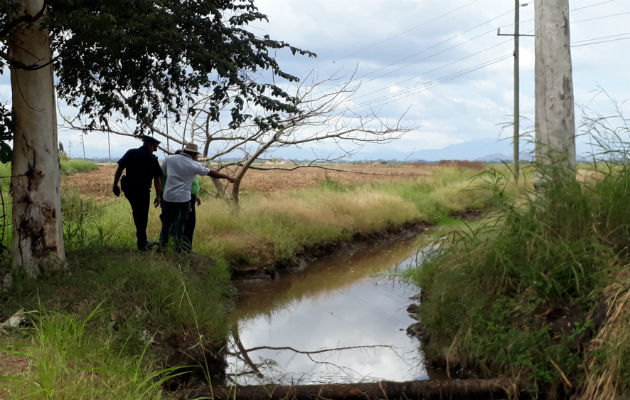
(83, 144)
(109, 149)
(555, 114)
(515, 139)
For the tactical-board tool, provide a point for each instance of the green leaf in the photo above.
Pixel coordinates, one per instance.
(6, 153)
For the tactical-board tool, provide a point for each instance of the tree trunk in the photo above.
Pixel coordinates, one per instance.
(555, 118)
(38, 245)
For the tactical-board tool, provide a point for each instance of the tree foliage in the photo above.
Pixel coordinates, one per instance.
(141, 58)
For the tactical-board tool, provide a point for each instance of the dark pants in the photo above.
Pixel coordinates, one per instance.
(174, 216)
(140, 210)
(189, 229)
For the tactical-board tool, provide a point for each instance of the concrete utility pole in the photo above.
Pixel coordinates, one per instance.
(555, 116)
(109, 149)
(516, 135)
(83, 144)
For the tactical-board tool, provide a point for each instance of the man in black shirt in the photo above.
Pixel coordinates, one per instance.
(141, 168)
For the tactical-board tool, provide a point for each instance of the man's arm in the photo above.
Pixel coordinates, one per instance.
(157, 183)
(115, 187)
(217, 174)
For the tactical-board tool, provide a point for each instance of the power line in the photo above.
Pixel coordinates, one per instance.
(443, 65)
(458, 8)
(429, 84)
(591, 5)
(602, 17)
(583, 43)
(384, 100)
(438, 44)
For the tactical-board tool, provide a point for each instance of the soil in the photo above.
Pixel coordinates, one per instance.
(98, 183)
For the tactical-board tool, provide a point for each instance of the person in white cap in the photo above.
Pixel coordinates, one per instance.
(181, 170)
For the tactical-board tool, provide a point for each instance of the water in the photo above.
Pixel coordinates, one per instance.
(351, 303)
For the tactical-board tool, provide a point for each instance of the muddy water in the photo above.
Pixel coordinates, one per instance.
(341, 319)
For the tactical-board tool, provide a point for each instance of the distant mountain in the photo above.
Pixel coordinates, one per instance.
(498, 157)
(495, 157)
(487, 150)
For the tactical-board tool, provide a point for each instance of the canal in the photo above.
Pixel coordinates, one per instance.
(341, 319)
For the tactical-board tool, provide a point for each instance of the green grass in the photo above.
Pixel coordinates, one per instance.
(117, 315)
(525, 289)
(73, 166)
(70, 361)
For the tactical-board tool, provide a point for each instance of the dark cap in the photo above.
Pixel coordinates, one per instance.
(149, 139)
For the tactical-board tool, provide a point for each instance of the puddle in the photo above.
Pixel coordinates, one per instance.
(340, 320)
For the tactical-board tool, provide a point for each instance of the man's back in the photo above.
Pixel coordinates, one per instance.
(181, 170)
(141, 167)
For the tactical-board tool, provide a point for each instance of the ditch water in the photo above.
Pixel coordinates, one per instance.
(342, 319)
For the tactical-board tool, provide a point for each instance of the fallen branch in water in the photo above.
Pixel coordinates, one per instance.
(497, 388)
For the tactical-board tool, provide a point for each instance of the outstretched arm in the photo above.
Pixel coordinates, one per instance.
(217, 174)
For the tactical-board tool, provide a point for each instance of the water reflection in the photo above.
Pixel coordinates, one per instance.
(348, 303)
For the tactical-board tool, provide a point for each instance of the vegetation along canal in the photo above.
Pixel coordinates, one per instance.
(341, 319)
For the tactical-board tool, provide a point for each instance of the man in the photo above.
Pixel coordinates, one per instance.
(191, 221)
(141, 167)
(181, 170)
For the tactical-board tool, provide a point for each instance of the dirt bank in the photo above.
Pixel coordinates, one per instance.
(310, 254)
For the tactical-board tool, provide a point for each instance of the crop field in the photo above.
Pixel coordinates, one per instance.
(275, 177)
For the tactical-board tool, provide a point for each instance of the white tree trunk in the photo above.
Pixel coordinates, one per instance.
(555, 118)
(38, 245)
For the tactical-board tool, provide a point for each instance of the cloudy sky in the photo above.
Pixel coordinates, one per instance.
(444, 63)
(440, 63)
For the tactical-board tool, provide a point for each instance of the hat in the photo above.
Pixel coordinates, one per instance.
(149, 139)
(191, 148)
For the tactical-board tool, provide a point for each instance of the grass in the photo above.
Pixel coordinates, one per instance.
(115, 299)
(538, 291)
(73, 166)
(271, 227)
(110, 325)
(67, 362)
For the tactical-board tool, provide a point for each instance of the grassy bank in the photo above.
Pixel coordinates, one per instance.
(118, 325)
(539, 291)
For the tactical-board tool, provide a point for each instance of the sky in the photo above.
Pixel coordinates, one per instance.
(439, 66)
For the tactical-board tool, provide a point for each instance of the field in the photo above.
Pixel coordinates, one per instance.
(98, 184)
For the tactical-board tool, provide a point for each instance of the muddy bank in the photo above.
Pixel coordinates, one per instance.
(311, 254)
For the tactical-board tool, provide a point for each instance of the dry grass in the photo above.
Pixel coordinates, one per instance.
(608, 351)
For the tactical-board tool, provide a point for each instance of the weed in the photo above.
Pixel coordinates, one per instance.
(514, 294)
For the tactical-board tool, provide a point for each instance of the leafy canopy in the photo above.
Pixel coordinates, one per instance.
(142, 58)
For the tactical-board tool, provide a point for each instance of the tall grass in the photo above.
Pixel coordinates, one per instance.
(73, 166)
(118, 316)
(520, 293)
(274, 226)
(68, 361)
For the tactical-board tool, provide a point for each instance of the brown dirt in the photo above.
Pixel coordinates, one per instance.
(11, 365)
(98, 183)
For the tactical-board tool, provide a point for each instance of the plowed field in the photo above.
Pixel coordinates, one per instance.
(99, 183)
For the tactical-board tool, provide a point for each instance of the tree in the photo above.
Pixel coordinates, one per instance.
(134, 58)
(321, 115)
(555, 117)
